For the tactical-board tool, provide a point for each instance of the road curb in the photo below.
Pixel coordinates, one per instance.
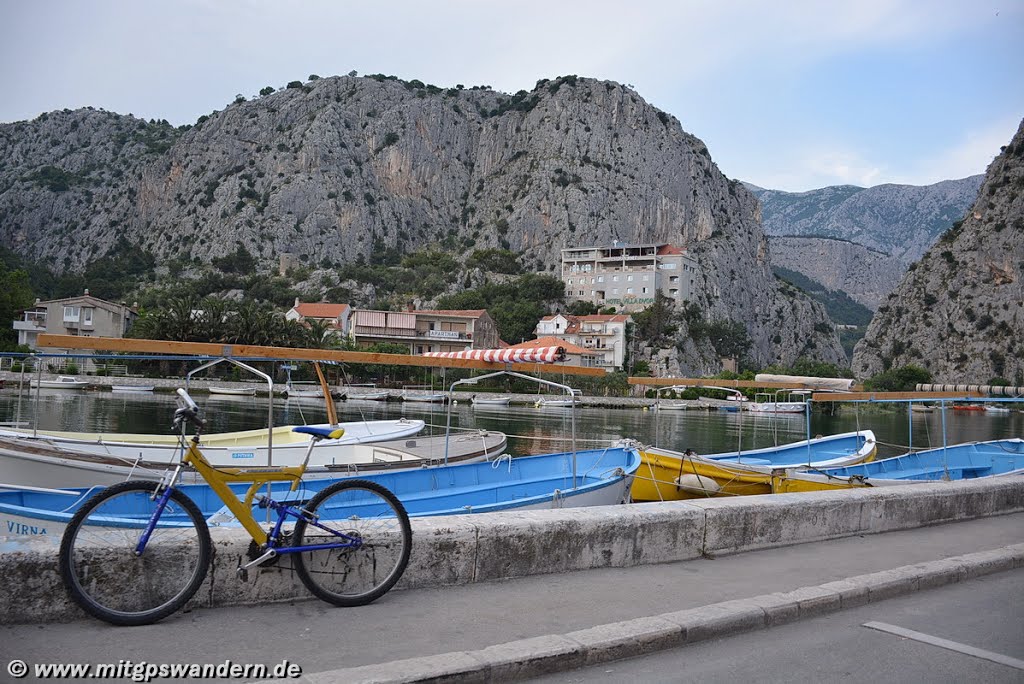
(603, 643)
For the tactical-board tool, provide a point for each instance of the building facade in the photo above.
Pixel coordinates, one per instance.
(603, 335)
(627, 276)
(83, 315)
(426, 331)
(338, 316)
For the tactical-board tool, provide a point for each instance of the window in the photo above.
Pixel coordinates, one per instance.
(71, 313)
(87, 316)
(615, 279)
(644, 290)
(629, 290)
(629, 278)
(615, 290)
(570, 281)
(674, 279)
(600, 279)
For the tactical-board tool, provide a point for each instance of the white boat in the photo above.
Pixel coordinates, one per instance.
(671, 406)
(424, 398)
(562, 401)
(999, 410)
(52, 465)
(921, 408)
(234, 391)
(132, 388)
(375, 395)
(62, 382)
(311, 390)
(484, 400)
(70, 459)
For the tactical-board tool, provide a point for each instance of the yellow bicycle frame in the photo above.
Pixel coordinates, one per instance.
(218, 479)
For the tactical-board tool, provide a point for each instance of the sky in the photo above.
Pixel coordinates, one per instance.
(787, 94)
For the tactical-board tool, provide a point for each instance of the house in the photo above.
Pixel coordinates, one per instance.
(627, 276)
(427, 330)
(84, 315)
(574, 354)
(605, 335)
(337, 316)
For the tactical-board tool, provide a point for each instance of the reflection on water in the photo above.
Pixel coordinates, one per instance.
(531, 430)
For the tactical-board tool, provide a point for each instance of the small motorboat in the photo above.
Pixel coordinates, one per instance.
(424, 398)
(62, 382)
(998, 410)
(234, 391)
(490, 401)
(376, 395)
(132, 388)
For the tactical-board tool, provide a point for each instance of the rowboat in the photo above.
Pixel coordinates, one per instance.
(995, 458)
(234, 391)
(62, 382)
(297, 391)
(968, 407)
(766, 403)
(71, 459)
(379, 395)
(670, 475)
(490, 401)
(424, 398)
(564, 480)
(671, 406)
(999, 410)
(132, 388)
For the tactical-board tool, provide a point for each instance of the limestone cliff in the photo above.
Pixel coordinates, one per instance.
(341, 168)
(959, 311)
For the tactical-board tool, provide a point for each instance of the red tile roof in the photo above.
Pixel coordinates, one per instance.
(670, 249)
(320, 309)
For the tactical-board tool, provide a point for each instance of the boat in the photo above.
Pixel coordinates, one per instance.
(778, 402)
(132, 388)
(561, 402)
(62, 459)
(431, 398)
(968, 407)
(233, 391)
(994, 458)
(922, 408)
(670, 405)
(479, 400)
(667, 475)
(375, 395)
(303, 391)
(595, 477)
(998, 410)
(62, 382)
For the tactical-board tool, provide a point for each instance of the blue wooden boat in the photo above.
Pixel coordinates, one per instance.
(968, 461)
(591, 478)
(821, 452)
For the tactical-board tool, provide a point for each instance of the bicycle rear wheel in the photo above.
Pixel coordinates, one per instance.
(101, 570)
(363, 511)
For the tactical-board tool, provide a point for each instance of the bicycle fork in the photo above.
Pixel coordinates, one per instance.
(165, 496)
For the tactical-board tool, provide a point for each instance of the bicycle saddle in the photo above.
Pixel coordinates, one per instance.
(321, 432)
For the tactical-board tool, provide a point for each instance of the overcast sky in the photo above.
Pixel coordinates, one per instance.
(787, 94)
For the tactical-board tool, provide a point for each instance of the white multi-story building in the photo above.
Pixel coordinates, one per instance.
(627, 276)
(600, 334)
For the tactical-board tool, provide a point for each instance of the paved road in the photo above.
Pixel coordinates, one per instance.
(986, 613)
(406, 624)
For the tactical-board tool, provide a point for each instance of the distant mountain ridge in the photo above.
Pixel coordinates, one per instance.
(900, 220)
(959, 311)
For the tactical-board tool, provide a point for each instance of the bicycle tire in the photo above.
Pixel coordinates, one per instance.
(357, 576)
(103, 575)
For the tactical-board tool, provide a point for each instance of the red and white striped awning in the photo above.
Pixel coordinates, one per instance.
(535, 355)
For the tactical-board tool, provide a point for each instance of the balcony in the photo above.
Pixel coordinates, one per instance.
(31, 325)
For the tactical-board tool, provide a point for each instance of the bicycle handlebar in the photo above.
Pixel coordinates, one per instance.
(188, 411)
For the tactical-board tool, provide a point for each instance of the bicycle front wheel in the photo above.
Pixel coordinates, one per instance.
(109, 580)
(374, 521)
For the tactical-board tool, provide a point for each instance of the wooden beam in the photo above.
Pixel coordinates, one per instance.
(897, 396)
(707, 382)
(245, 351)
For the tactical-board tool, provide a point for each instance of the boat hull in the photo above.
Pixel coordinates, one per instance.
(601, 477)
(669, 475)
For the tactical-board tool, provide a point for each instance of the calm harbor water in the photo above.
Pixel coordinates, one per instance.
(531, 430)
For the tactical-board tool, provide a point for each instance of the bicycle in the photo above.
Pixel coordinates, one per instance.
(137, 551)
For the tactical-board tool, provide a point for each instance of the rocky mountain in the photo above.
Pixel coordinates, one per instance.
(339, 169)
(899, 220)
(959, 311)
(866, 275)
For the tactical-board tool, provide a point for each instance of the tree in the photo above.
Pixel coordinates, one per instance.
(15, 295)
(266, 91)
(901, 379)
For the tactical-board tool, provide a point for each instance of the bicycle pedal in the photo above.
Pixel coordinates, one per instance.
(242, 573)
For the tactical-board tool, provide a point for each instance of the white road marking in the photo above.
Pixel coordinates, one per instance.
(945, 643)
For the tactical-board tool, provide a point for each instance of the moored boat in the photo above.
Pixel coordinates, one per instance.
(667, 475)
(994, 458)
(374, 395)
(132, 388)
(62, 382)
(564, 480)
(429, 398)
(233, 391)
(483, 400)
(61, 459)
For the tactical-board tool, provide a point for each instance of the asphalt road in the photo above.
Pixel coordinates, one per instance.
(986, 613)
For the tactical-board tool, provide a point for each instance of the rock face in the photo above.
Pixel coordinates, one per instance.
(900, 220)
(342, 168)
(959, 312)
(866, 275)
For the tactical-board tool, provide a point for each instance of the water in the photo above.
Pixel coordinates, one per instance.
(531, 430)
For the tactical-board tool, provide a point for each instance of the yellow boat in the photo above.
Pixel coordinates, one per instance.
(667, 475)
